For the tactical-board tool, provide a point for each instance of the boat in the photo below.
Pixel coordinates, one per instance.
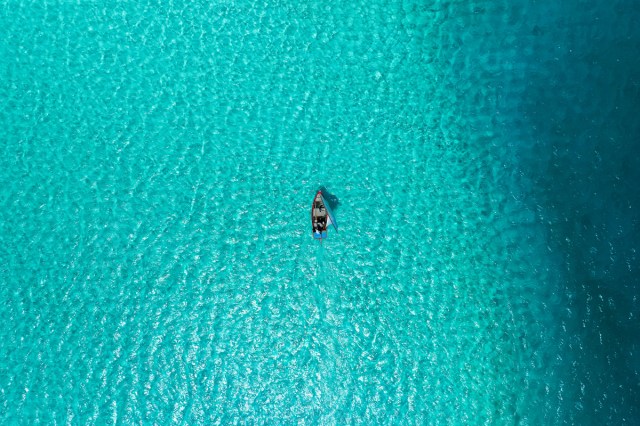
(321, 217)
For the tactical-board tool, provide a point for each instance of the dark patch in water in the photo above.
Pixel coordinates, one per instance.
(330, 198)
(585, 167)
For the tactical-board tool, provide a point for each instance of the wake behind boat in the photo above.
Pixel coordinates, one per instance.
(321, 217)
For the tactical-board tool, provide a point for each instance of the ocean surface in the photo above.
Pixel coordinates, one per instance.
(158, 161)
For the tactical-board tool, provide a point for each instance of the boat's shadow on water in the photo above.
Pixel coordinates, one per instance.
(331, 199)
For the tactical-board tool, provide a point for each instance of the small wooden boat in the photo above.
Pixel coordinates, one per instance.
(321, 217)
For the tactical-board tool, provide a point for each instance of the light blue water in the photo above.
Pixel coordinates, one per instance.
(157, 165)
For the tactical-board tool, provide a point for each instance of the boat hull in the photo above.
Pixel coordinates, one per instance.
(321, 217)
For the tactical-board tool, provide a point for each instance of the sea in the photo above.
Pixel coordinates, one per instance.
(159, 158)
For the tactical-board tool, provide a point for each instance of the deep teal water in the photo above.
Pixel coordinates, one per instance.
(157, 164)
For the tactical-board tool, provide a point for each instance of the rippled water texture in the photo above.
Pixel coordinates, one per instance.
(158, 162)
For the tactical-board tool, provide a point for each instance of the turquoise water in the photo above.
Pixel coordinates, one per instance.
(158, 162)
